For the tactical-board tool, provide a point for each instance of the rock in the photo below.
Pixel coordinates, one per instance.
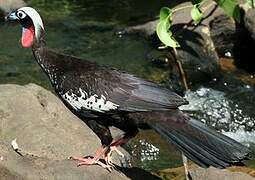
(249, 22)
(198, 56)
(32, 167)
(245, 42)
(197, 173)
(7, 6)
(47, 134)
(179, 17)
(221, 26)
(197, 52)
(215, 174)
(223, 33)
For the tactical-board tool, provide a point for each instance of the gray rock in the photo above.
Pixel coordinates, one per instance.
(216, 174)
(47, 134)
(7, 6)
(197, 52)
(30, 167)
(223, 33)
(179, 17)
(198, 56)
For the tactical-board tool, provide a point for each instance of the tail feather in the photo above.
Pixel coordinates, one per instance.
(204, 146)
(201, 157)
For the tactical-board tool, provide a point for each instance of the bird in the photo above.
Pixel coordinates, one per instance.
(103, 96)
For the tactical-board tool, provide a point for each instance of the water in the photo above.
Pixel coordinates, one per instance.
(87, 29)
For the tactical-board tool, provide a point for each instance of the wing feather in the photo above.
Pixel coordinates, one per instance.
(135, 94)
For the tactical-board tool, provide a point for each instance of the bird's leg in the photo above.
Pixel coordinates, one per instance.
(130, 131)
(185, 164)
(113, 147)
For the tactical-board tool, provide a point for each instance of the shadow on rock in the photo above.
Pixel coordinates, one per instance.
(136, 173)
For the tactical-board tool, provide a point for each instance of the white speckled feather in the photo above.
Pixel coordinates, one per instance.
(94, 102)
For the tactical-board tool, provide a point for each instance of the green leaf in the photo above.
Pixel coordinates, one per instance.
(231, 8)
(165, 13)
(163, 32)
(196, 14)
(251, 3)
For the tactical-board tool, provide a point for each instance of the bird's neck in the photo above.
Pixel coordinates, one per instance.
(41, 55)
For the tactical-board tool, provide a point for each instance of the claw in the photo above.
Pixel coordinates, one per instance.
(91, 161)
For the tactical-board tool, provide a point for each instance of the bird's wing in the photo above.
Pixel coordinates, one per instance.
(131, 93)
(103, 89)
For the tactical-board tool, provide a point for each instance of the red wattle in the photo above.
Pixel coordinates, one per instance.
(28, 35)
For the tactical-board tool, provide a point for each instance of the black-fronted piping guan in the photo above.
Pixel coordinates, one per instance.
(103, 97)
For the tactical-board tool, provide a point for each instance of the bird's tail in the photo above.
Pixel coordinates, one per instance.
(199, 143)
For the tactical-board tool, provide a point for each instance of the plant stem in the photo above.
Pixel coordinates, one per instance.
(181, 71)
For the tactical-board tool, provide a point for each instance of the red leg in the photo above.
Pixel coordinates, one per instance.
(113, 147)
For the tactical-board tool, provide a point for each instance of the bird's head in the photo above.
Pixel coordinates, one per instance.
(32, 25)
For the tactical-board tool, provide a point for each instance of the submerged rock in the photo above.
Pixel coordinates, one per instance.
(47, 134)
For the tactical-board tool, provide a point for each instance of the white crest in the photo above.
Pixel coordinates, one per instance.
(36, 18)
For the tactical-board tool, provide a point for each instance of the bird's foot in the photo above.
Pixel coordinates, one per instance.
(94, 160)
(105, 152)
(87, 161)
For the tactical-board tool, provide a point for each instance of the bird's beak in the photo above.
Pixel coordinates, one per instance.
(11, 17)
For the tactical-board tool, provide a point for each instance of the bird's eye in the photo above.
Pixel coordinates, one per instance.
(21, 14)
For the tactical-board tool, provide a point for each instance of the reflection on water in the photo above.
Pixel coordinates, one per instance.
(152, 152)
